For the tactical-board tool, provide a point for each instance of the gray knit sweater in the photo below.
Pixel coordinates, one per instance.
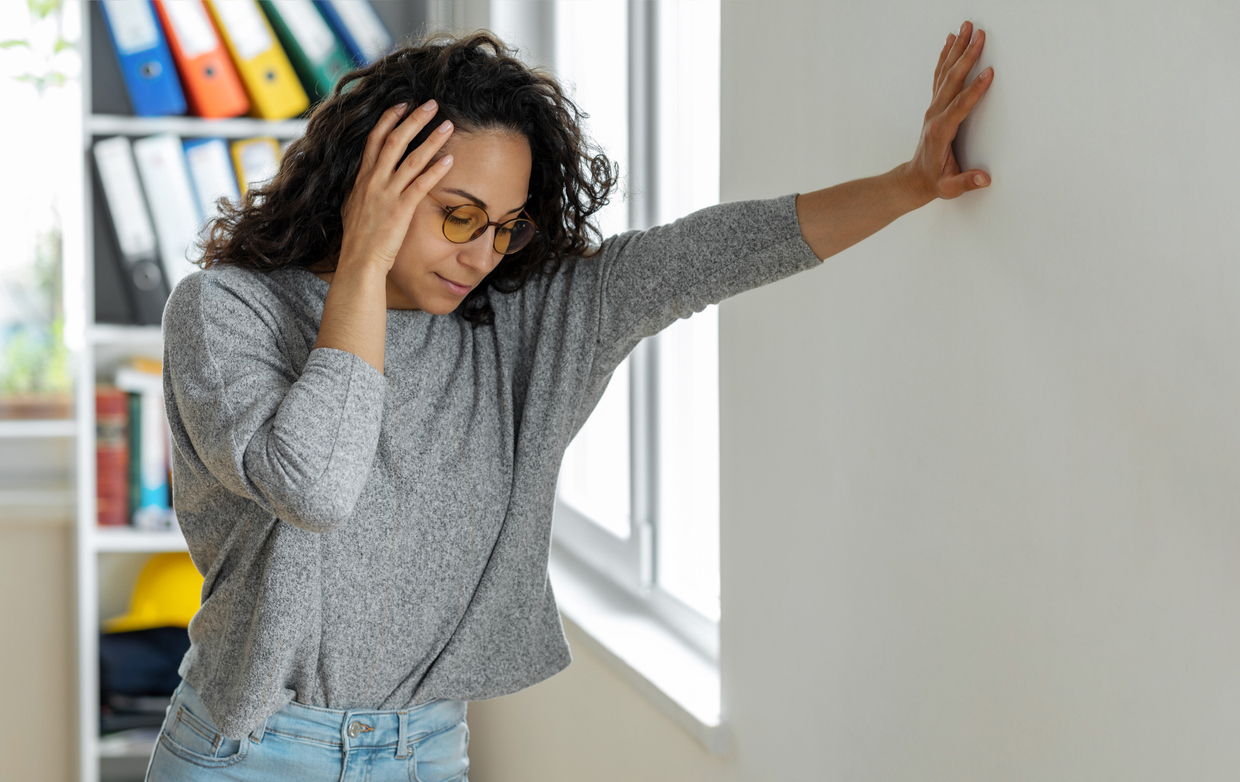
(380, 540)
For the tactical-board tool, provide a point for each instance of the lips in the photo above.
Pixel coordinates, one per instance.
(455, 287)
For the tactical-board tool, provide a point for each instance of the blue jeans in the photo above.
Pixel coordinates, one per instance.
(426, 743)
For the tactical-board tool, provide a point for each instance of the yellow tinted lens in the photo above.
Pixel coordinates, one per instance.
(463, 223)
(513, 235)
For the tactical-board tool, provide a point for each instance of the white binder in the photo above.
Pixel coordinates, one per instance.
(165, 177)
(144, 281)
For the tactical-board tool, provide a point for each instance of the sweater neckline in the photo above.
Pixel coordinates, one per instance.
(321, 287)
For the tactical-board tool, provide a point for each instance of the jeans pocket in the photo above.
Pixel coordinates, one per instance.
(441, 756)
(196, 740)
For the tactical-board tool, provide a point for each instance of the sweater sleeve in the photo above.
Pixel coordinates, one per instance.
(298, 440)
(648, 279)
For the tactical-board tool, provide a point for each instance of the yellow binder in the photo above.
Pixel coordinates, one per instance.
(256, 160)
(269, 78)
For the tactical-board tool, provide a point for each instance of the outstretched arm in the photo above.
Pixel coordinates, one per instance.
(838, 217)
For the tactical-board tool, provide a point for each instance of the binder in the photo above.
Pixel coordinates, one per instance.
(360, 29)
(165, 178)
(143, 280)
(265, 70)
(211, 83)
(212, 175)
(154, 505)
(310, 43)
(146, 62)
(256, 159)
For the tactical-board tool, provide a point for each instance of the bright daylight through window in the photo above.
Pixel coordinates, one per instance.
(645, 468)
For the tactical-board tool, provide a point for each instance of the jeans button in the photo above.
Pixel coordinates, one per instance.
(355, 728)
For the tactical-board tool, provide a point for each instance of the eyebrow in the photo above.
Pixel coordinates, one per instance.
(477, 200)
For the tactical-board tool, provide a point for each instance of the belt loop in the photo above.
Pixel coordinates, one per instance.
(402, 742)
(257, 734)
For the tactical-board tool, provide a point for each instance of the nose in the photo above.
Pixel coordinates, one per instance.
(479, 254)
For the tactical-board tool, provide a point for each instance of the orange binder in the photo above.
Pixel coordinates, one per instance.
(211, 82)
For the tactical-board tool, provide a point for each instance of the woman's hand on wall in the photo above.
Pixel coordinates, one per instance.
(934, 171)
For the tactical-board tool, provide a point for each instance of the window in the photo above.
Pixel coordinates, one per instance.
(638, 496)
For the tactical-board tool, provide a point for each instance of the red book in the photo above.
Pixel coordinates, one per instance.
(111, 455)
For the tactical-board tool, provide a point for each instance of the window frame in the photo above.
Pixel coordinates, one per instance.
(631, 563)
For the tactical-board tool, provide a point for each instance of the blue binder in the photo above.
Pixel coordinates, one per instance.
(360, 29)
(146, 63)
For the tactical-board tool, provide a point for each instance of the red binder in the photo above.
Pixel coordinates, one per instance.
(210, 79)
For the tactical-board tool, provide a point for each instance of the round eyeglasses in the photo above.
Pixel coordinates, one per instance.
(465, 223)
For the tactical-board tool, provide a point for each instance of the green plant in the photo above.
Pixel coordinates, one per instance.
(46, 18)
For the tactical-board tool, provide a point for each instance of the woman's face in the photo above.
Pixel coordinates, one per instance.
(490, 169)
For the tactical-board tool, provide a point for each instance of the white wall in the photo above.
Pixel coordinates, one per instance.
(979, 519)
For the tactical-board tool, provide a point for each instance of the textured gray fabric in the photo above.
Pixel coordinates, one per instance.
(380, 540)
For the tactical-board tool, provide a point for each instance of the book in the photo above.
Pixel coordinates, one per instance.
(111, 456)
(154, 507)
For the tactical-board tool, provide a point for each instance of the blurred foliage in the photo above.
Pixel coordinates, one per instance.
(45, 75)
(33, 357)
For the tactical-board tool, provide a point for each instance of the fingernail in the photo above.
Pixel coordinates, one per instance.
(986, 74)
(430, 105)
(447, 160)
(401, 107)
(962, 26)
(979, 180)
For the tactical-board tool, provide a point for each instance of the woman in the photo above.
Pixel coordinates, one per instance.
(372, 384)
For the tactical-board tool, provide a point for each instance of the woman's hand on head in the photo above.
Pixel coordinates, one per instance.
(933, 172)
(377, 213)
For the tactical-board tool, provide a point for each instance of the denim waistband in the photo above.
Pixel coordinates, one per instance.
(349, 729)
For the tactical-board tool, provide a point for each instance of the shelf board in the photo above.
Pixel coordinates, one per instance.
(238, 127)
(59, 496)
(111, 334)
(137, 743)
(128, 539)
(63, 427)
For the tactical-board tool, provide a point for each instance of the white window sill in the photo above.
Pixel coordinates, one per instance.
(674, 677)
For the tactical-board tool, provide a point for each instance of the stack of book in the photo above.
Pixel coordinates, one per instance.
(132, 447)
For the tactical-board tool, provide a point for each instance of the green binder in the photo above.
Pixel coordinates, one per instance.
(317, 55)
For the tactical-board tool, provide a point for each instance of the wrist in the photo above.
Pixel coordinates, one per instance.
(913, 190)
(362, 268)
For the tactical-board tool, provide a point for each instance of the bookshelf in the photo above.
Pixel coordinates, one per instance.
(107, 560)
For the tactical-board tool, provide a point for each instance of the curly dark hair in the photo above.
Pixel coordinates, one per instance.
(294, 220)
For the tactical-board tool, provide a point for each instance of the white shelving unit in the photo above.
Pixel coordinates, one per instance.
(108, 551)
(61, 427)
(107, 557)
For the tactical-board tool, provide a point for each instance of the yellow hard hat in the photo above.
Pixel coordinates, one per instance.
(167, 594)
